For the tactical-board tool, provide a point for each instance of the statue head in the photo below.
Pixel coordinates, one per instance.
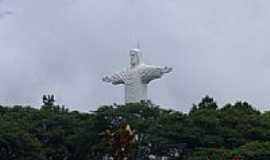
(135, 57)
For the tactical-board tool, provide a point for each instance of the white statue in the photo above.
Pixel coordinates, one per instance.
(136, 77)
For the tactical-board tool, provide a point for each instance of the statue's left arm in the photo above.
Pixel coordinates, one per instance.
(154, 72)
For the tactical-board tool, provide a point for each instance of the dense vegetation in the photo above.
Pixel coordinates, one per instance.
(234, 131)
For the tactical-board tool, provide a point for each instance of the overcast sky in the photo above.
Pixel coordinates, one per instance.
(64, 47)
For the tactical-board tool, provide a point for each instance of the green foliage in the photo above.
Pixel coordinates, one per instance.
(254, 151)
(207, 132)
(18, 144)
(210, 153)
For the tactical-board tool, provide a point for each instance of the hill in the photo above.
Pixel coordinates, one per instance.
(233, 131)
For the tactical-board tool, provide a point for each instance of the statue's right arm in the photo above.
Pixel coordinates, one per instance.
(107, 79)
(114, 79)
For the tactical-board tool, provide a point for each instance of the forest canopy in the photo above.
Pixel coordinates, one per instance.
(208, 131)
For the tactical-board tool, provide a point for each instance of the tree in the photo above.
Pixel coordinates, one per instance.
(208, 131)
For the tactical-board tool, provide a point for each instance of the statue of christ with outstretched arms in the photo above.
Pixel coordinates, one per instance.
(137, 77)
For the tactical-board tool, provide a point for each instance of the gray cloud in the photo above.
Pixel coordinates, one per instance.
(64, 47)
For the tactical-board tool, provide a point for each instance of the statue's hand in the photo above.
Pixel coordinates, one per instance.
(167, 69)
(107, 79)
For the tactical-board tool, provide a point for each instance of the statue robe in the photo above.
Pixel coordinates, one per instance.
(136, 80)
